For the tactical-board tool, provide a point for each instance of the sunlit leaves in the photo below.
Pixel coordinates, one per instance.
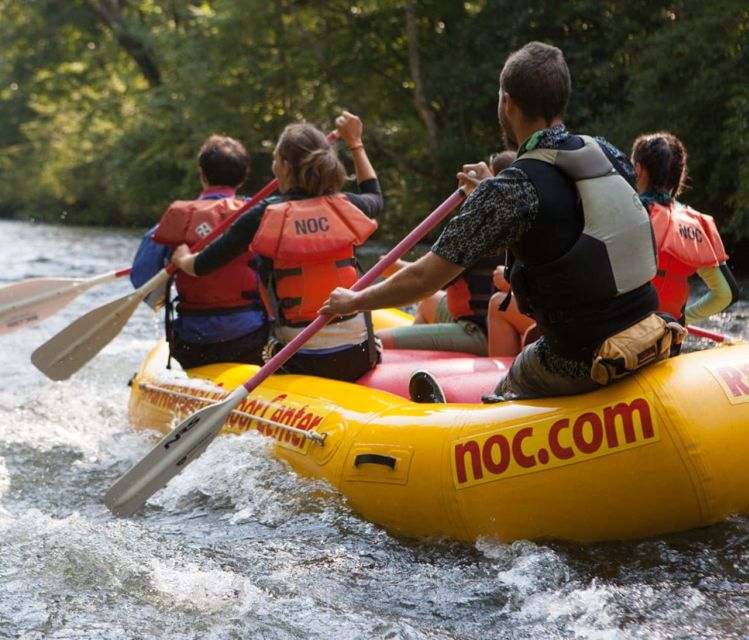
(85, 124)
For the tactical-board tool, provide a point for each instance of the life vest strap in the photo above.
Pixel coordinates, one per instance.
(297, 271)
(254, 306)
(336, 320)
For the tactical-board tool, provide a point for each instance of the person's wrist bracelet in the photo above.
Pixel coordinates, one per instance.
(355, 147)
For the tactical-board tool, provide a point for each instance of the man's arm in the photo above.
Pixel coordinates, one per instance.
(412, 283)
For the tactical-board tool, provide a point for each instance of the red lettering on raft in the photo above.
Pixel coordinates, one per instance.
(531, 447)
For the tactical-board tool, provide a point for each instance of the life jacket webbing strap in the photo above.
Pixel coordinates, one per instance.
(298, 325)
(286, 303)
(275, 308)
(297, 271)
(283, 273)
(374, 355)
(226, 311)
(509, 261)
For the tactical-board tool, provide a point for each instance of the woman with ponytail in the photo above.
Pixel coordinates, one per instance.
(306, 238)
(687, 240)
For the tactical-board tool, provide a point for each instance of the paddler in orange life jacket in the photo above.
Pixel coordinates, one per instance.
(221, 317)
(306, 238)
(687, 240)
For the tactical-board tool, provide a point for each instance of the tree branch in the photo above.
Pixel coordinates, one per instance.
(400, 161)
(420, 101)
(110, 15)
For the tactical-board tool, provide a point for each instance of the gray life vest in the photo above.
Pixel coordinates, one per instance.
(612, 210)
(596, 287)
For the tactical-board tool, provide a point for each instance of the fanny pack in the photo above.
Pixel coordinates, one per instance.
(645, 342)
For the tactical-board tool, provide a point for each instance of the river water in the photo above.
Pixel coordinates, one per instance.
(238, 546)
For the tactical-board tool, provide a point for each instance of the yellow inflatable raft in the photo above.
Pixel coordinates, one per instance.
(663, 451)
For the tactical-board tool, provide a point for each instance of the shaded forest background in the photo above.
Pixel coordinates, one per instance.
(104, 103)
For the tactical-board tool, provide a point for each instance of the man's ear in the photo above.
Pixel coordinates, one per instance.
(509, 103)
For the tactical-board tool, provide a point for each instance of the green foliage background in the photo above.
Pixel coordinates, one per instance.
(104, 103)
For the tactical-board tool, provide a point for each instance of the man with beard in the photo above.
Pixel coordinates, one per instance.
(567, 211)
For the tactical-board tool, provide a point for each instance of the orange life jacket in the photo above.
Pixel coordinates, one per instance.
(686, 240)
(311, 244)
(233, 285)
(468, 295)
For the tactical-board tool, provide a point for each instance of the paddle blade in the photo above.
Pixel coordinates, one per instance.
(26, 303)
(175, 451)
(66, 352)
(33, 300)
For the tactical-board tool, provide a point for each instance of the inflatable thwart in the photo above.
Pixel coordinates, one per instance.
(661, 451)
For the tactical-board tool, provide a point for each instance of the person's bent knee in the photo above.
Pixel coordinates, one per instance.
(386, 337)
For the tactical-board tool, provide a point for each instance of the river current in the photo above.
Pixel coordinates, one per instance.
(238, 546)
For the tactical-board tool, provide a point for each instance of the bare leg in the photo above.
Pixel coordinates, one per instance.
(427, 309)
(504, 340)
(385, 335)
(506, 328)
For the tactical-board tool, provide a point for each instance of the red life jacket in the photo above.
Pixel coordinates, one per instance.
(233, 285)
(311, 244)
(468, 295)
(686, 240)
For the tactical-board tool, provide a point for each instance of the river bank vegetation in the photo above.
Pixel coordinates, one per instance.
(103, 103)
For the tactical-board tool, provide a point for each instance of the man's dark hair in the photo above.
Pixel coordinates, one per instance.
(224, 161)
(538, 80)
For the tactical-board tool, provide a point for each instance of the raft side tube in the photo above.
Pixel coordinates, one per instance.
(660, 451)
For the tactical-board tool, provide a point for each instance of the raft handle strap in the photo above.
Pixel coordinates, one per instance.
(374, 458)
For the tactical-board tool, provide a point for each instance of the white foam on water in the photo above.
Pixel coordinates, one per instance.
(4, 486)
(542, 595)
(69, 415)
(524, 565)
(59, 572)
(189, 585)
(241, 471)
(586, 612)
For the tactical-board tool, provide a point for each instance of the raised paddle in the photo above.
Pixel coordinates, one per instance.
(67, 351)
(31, 301)
(188, 441)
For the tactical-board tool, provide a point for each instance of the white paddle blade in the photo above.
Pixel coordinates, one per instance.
(62, 355)
(175, 451)
(26, 303)
(67, 351)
